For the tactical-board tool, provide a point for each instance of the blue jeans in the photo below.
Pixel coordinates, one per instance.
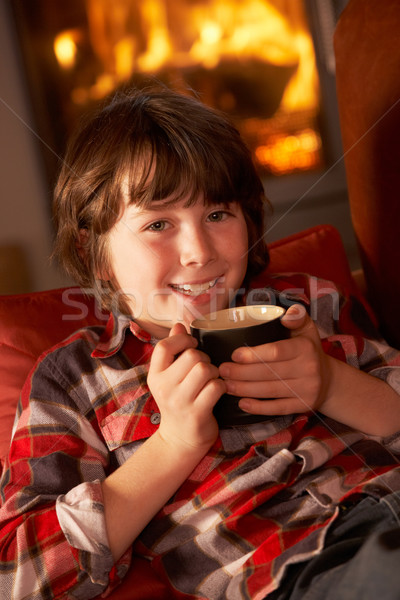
(360, 560)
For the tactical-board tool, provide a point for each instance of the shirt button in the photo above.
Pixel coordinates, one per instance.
(155, 418)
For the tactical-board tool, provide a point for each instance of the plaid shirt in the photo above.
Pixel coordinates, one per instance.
(262, 498)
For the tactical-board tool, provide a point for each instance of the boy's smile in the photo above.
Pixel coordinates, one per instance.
(194, 289)
(176, 263)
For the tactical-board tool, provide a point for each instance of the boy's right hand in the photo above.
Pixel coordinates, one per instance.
(186, 387)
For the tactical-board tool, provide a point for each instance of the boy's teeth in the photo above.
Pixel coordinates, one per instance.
(195, 288)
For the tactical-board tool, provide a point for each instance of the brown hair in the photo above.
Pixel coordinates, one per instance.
(169, 145)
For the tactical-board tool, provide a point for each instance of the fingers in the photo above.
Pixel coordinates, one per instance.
(166, 350)
(175, 362)
(289, 361)
(287, 372)
(295, 317)
(210, 393)
(273, 407)
(177, 328)
(300, 388)
(195, 367)
(303, 331)
(300, 323)
(286, 359)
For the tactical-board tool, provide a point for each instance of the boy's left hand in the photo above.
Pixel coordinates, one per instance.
(293, 374)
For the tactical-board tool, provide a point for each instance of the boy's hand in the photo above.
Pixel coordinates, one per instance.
(294, 373)
(186, 387)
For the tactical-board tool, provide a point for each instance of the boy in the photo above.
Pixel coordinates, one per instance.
(117, 452)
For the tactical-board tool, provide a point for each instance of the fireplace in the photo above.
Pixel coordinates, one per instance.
(267, 63)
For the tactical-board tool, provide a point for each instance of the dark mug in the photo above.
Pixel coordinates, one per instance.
(220, 333)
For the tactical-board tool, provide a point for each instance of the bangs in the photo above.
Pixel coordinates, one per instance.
(173, 163)
(170, 177)
(161, 177)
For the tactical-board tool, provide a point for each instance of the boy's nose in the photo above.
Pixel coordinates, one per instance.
(196, 249)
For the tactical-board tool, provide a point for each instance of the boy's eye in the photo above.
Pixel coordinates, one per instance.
(217, 215)
(157, 226)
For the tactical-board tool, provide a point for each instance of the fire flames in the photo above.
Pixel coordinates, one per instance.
(253, 58)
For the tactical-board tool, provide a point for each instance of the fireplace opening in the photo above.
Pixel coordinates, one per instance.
(253, 59)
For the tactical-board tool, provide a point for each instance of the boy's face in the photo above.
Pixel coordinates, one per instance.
(175, 263)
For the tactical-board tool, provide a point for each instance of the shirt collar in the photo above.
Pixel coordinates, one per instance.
(113, 336)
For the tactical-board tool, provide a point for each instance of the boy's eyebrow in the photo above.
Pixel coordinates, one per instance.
(157, 205)
(151, 208)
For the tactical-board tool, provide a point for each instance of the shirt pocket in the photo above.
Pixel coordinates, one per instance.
(138, 418)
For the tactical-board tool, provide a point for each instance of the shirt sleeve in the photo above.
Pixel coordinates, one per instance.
(53, 537)
(348, 332)
(346, 324)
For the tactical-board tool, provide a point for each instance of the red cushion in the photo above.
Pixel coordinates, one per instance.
(318, 251)
(31, 323)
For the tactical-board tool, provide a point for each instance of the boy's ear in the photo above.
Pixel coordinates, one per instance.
(81, 244)
(81, 247)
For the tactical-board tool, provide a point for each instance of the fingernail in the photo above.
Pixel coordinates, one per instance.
(294, 311)
(237, 355)
(244, 404)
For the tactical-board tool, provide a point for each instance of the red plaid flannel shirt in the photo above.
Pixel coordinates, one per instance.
(263, 496)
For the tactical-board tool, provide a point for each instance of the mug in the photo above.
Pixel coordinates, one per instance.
(220, 333)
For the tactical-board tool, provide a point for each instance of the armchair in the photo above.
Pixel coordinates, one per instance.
(368, 89)
(367, 54)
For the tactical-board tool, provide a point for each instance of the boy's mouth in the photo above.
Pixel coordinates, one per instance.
(194, 289)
